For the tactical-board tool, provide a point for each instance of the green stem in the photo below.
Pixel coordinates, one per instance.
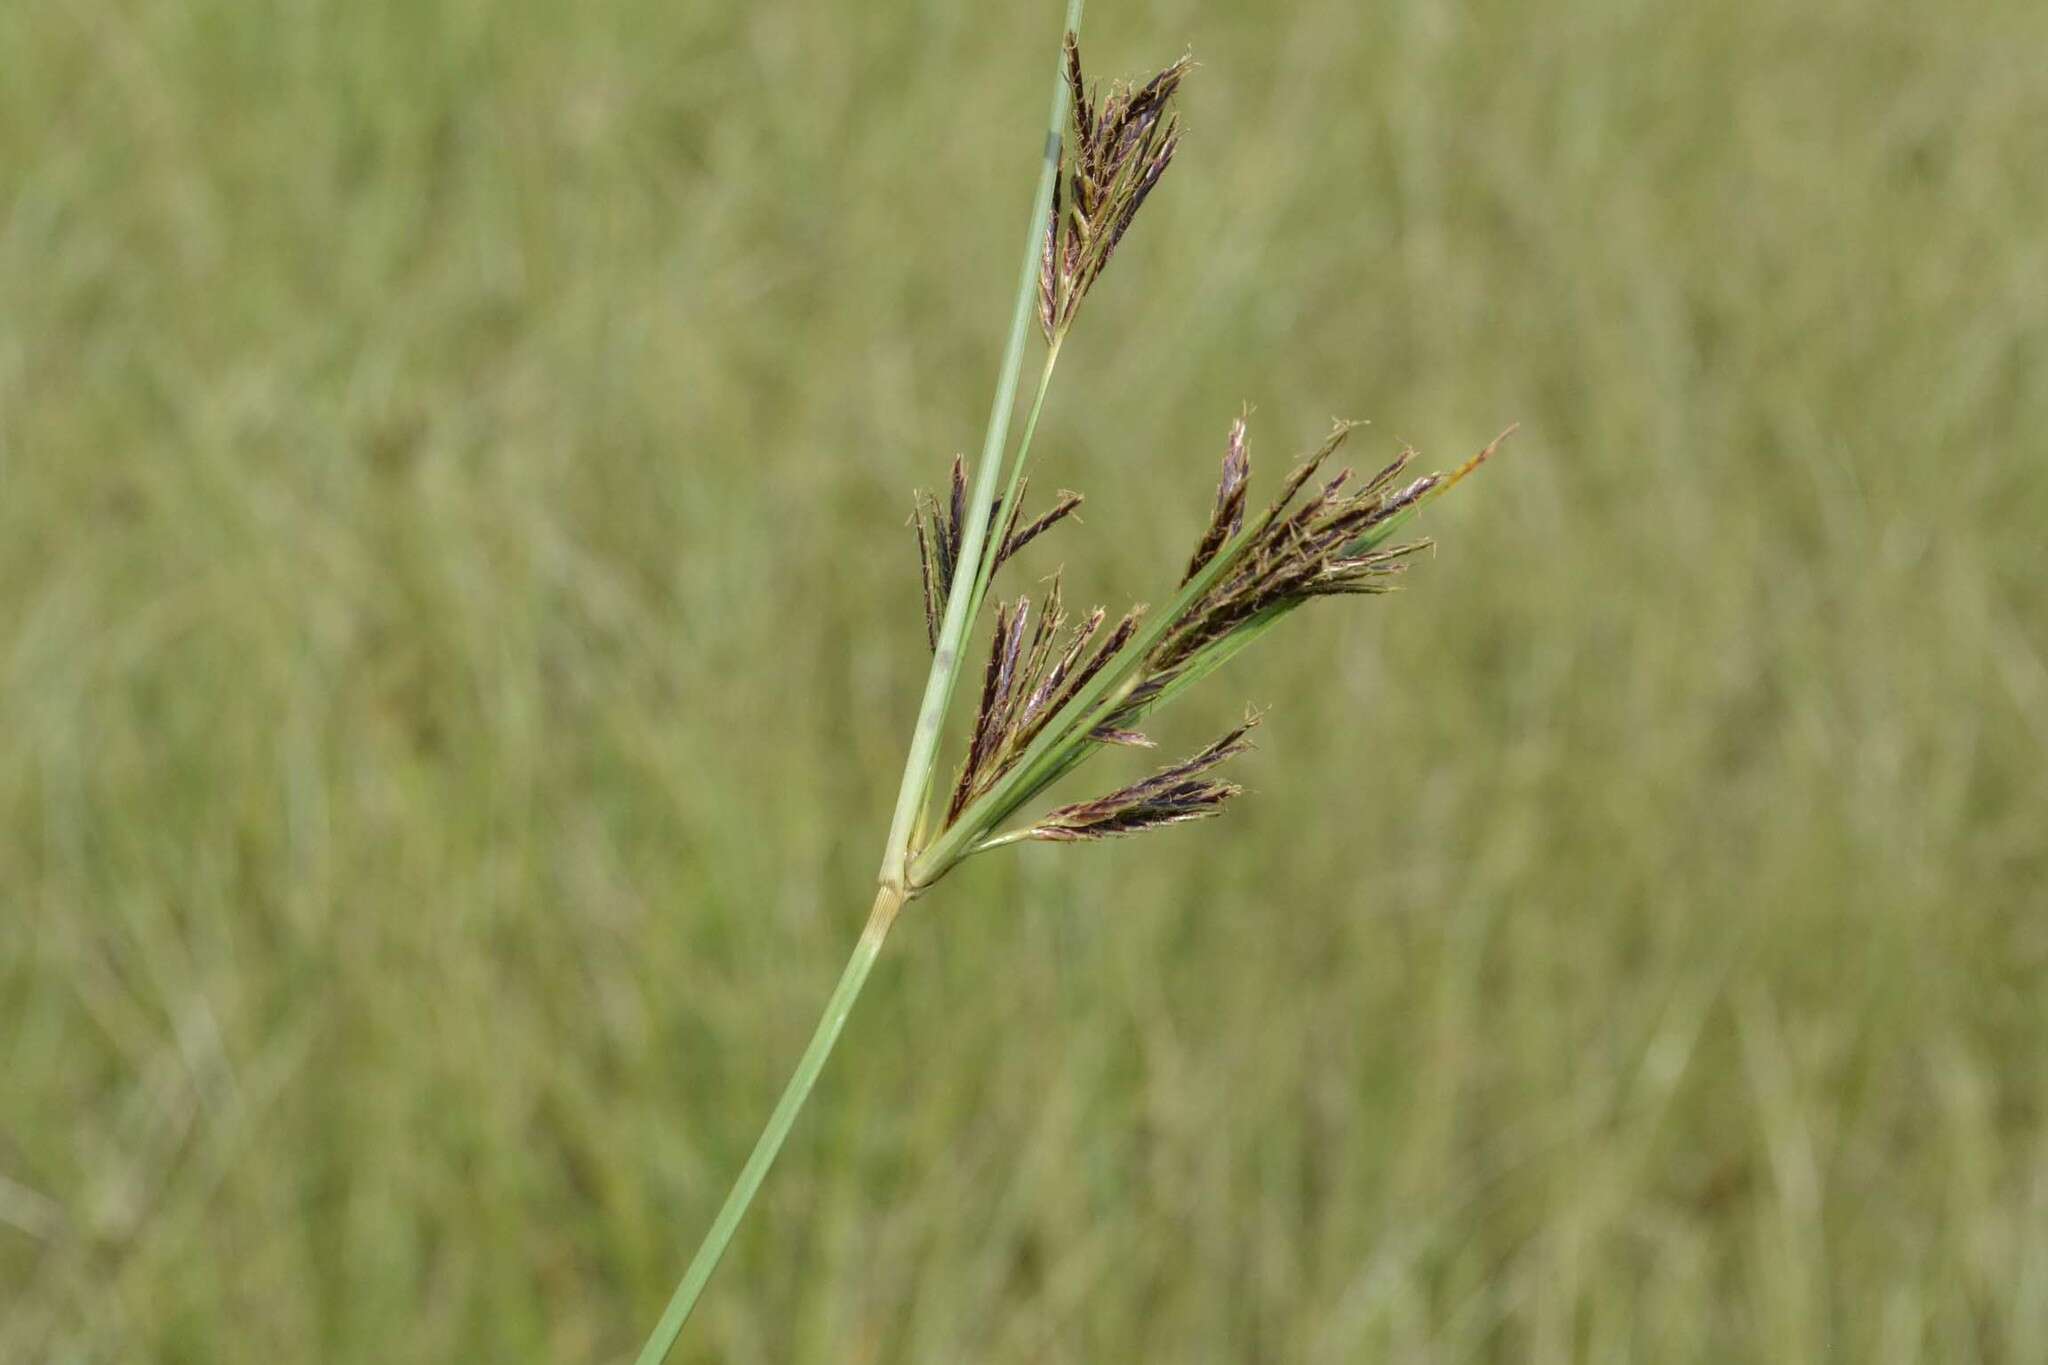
(961, 604)
(938, 689)
(887, 902)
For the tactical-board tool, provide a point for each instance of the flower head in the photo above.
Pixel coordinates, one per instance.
(1118, 150)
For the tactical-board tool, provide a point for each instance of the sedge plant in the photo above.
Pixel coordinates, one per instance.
(1056, 689)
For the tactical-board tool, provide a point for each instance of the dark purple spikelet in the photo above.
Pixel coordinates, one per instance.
(938, 545)
(939, 529)
(1027, 680)
(998, 687)
(1228, 519)
(1171, 796)
(1015, 538)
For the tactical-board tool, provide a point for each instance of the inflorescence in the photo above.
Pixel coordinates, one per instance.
(1055, 690)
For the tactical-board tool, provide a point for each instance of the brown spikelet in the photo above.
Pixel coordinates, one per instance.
(1228, 518)
(1048, 259)
(1036, 658)
(991, 724)
(1038, 707)
(928, 567)
(1003, 520)
(1110, 734)
(939, 528)
(1296, 479)
(957, 506)
(1155, 162)
(1083, 112)
(1016, 538)
(1109, 649)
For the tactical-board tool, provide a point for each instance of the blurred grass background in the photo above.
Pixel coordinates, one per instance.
(458, 634)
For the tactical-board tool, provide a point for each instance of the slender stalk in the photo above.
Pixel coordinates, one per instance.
(1016, 479)
(938, 690)
(1015, 836)
(961, 605)
(888, 901)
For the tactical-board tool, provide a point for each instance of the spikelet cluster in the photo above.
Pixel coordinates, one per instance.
(1332, 540)
(940, 527)
(1119, 146)
(1056, 690)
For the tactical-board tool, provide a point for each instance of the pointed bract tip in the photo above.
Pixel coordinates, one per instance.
(1451, 480)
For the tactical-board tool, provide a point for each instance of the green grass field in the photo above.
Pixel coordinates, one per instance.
(458, 634)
